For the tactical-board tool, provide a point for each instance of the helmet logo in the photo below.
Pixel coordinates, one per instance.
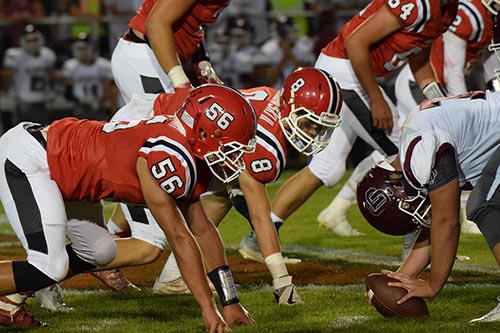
(224, 120)
(376, 200)
(299, 83)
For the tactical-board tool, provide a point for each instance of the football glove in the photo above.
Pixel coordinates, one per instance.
(206, 73)
(284, 291)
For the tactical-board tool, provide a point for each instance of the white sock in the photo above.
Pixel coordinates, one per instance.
(170, 271)
(276, 219)
(339, 206)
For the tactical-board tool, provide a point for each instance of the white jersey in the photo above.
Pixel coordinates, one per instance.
(468, 123)
(31, 74)
(88, 80)
(302, 50)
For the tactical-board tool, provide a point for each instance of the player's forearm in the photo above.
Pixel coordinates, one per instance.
(444, 242)
(417, 260)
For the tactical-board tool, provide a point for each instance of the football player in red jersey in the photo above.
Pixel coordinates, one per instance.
(304, 114)
(380, 39)
(163, 35)
(54, 178)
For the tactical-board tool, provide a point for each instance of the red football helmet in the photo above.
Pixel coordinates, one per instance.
(309, 109)
(491, 5)
(220, 126)
(389, 203)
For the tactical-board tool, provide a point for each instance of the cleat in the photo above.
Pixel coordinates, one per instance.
(51, 298)
(469, 227)
(174, 287)
(115, 280)
(16, 316)
(337, 223)
(493, 315)
(249, 249)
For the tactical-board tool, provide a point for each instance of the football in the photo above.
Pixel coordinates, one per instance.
(384, 298)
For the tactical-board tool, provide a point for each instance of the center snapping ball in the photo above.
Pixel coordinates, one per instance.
(384, 298)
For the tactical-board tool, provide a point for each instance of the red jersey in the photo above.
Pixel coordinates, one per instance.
(91, 160)
(189, 31)
(424, 21)
(168, 104)
(473, 24)
(268, 160)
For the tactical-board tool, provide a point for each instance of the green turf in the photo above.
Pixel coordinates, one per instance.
(331, 308)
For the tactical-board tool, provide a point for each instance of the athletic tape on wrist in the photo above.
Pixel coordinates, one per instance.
(222, 279)
(177, 76)
(433, 90)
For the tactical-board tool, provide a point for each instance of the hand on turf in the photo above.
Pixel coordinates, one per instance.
(235, 313)
(415, 287)
(214, 322)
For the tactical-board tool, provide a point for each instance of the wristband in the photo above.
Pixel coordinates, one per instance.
(433, 90)
(222, 279)
(177, 76)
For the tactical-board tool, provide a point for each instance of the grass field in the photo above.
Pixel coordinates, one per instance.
(330, 281)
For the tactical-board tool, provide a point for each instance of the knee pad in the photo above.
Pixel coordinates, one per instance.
(29, 278)
(330, 177)
(91, 244)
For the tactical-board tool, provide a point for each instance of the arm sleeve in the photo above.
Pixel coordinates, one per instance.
(454, 62)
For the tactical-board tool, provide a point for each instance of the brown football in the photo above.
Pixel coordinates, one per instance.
(384, 298)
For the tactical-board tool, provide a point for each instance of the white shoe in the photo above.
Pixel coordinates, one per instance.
(51, 298)
(249, 249)
(469, 227)
(337, 223)
(174, 287)
(493, 315)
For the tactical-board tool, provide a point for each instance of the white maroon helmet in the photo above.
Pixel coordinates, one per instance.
(220, 125)
(491, 5)
(83, 48)
(32, 40)
(314, 95)
(389, 203)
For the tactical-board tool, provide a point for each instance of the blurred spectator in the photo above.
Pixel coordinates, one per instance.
(120, 12)
(29, 72)
(89, 81)
(292, 8)
(284, 52)
(237, 65)
(19, 13)
(256, 12)
(91, 12)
